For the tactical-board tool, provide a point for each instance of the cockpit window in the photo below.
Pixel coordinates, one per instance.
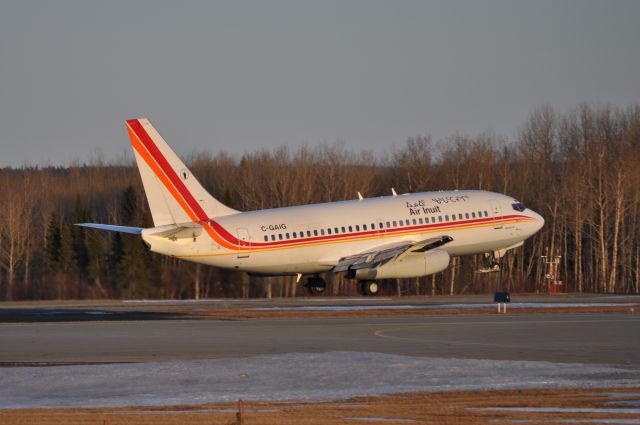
(518, 207)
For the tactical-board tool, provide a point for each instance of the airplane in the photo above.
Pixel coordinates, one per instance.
(397, 236)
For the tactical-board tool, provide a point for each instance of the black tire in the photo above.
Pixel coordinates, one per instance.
(316, 286)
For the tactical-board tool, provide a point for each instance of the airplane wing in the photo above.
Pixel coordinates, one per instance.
(385, 253)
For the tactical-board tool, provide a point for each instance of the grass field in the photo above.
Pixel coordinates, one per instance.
(606, 405)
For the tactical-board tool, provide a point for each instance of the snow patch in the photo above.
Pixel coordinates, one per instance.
(287, 377)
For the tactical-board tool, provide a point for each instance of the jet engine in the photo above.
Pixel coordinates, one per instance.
(411, 265)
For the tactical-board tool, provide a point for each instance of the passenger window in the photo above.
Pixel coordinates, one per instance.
(295, 235)
(357, 227)
(335, 230)
(420, 220)
(315, 232)
(414, 222)
(395, 223)
(486, 214)
(467, 215)
(344, 230)
(350, 229)
(273, 237)
(446, 217)
(388, 224)
(473, 215)
(373, 226)
(308, 233)
(280, 236)
(329, 231)
(266, 238)
(322, 232)
(440, 218)
(287, 235)
(364, 227)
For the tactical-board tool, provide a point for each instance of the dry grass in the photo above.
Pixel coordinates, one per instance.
(452, 408)
(234, 314)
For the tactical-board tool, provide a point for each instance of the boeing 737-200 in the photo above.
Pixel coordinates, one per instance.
(396, 236)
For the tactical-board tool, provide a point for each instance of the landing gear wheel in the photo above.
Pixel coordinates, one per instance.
(316, 285)
(372, 288)
(368, 287)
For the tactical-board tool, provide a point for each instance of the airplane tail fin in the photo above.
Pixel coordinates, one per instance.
(173, 193)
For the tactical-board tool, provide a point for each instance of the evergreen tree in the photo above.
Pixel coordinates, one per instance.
(54, 244)
(78, 242)
(96, 259)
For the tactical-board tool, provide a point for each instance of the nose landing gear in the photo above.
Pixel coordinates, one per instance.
(490, 262)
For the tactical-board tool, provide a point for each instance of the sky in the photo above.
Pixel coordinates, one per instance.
(240, 76)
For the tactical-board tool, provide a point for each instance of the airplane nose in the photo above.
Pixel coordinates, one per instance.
(538, 221)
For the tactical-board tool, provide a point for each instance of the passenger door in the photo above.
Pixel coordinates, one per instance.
(496, 212)
(245, 241)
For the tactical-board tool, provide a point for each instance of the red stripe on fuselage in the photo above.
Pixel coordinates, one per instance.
(227, 237)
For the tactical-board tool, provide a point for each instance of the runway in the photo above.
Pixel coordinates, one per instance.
(611, 338)
(169, 353)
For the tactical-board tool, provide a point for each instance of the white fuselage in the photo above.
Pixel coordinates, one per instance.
(313, 238)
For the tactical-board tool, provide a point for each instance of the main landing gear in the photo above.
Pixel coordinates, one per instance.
(316, 285)
(368, 287)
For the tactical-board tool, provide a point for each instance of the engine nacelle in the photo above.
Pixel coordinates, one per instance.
(412, 265)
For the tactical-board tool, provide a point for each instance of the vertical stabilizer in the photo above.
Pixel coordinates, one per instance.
(173, 193)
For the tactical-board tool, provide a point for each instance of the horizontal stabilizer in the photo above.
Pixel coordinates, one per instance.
(113, 228)
(175, 231)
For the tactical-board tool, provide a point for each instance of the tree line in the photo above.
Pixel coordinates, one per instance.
(579, 169)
